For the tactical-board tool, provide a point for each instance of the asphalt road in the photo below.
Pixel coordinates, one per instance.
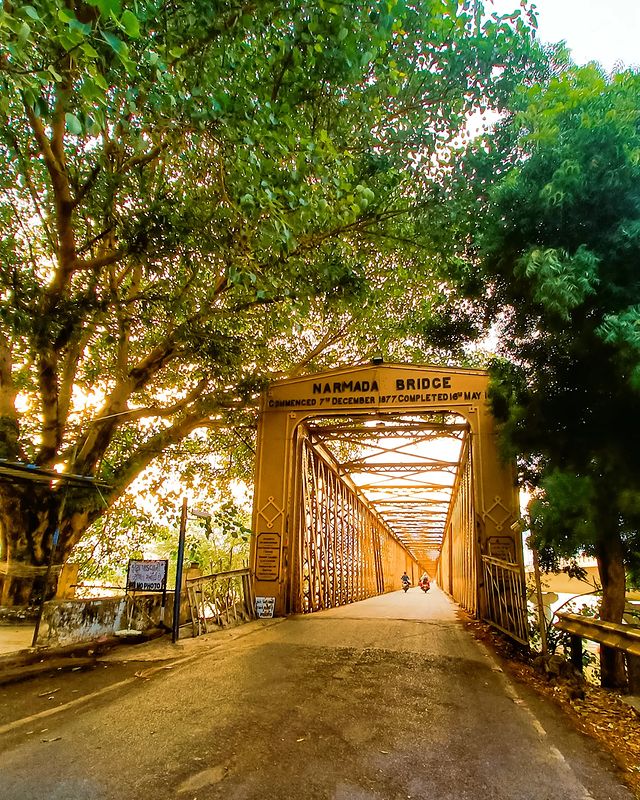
(388, 699)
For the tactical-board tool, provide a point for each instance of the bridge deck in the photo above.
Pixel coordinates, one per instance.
(387, 699)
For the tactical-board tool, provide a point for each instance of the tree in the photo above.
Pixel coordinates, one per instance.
(559, 251)
(188, 187)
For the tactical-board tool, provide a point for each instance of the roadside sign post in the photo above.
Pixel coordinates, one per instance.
(147, 575)
(175, 628)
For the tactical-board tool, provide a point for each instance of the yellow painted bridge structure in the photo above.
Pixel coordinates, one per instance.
(369, 471)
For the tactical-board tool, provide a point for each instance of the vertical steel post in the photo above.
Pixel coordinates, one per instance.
(175, 635)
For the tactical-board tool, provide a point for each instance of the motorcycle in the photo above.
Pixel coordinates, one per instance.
(405, 587)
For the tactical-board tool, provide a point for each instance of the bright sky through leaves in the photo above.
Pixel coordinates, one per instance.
(594, 31)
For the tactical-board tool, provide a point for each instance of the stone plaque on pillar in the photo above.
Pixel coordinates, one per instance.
(502, 547)
(268, 556)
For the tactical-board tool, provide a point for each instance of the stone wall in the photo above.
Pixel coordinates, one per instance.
(70, 621)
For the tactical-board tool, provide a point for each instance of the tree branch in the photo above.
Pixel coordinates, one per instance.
(167, 411)
(63, 202)
(25, 167)
(9, 421)
(157, 444)
(51, 437)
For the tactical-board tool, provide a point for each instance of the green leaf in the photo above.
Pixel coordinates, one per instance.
(99, 80)
(88, 50)
(109, 8)
(117, 45)
(73, 124)
(78, 27)
(52, 71)
(131, 24)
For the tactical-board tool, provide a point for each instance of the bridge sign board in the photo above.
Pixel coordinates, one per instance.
(147, 575)
(265, 607)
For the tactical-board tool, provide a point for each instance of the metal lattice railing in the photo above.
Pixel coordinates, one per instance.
(220, 600)
(345, 552)
(506, 605)
(463, 522)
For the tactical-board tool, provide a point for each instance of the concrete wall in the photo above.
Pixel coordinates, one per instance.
(70, 621)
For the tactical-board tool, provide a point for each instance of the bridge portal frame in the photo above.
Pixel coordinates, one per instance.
(370, 390)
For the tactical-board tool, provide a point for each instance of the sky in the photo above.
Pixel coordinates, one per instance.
(607, 31)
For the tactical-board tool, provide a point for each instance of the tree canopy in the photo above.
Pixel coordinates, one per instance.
(196, 195)
(558, 258)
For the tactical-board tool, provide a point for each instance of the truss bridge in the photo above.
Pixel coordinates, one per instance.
(368, 472)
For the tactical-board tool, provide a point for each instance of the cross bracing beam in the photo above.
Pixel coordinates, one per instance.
(426, 464)
(410, 505)
(409, 482)
(424, 521)
(405, 468)
(408, 428)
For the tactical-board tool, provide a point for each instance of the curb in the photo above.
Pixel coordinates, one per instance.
(25, 664)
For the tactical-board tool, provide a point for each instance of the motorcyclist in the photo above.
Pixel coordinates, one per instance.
(424, 582)
(406, 580)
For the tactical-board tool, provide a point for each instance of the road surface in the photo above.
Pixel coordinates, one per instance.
(388, 699)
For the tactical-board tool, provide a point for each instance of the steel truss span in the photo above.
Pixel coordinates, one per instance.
(403, 466)
(457, 566)
(345, 549)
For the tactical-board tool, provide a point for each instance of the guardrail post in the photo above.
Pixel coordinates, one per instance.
(633, 673)
(576, 650)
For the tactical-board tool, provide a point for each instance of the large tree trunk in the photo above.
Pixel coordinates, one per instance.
(27, 521)
(610, 557)
(30, 514)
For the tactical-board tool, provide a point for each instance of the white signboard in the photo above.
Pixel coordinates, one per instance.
(265, 607)
(147, 575)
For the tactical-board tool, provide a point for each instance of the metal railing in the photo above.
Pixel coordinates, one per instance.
(220, 600)
(505, 596)
(611, 634)
(459, 567)
(625, 638)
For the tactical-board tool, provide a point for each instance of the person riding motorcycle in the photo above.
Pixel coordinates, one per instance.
(424, 582)
(406, 581)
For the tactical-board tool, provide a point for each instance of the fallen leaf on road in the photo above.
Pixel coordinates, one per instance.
(51, 691)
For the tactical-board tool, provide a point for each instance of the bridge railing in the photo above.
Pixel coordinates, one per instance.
(625, 638)
(220, 600)
(505, 597)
